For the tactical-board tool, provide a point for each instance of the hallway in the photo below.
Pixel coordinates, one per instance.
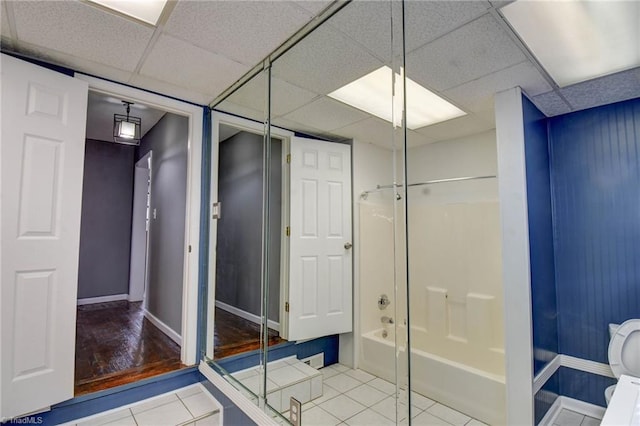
(116, 345)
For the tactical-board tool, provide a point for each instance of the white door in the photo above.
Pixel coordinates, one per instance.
(139, 230)
(42, 156)
(320, 268)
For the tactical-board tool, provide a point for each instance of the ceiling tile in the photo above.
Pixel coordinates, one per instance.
(324, 61)
(80, 30)
(379, 132)
(473, 51)
(4, 24)
(551, 104)
(285, 97)
(326, 114)
(191, 67)
(149, 83)
(246, 31)
(240, 110)
(77, 64)
(294, 126)
(604, 90)
(369, 23)
(476, 94)
(457, 128)
(100, 111)
(314, 6)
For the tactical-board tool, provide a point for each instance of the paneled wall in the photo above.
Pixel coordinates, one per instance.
(595, 173)
(588, 164)
(543, 285)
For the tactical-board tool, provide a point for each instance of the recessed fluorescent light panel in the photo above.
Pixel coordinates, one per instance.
(577, 40)
(372, 93)
(145, 10)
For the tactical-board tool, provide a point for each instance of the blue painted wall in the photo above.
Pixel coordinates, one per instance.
(543, 288)
(584, 386)
(545, 397)
(595, 175)
(583, 189)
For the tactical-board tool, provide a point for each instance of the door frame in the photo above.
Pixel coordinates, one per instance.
(188, 349)
(218, 118)
(147, 157)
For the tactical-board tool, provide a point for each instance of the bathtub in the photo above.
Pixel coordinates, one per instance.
(472, 383)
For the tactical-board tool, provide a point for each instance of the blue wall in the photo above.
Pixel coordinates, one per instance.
(583, 191)
(543, 288)
(595, 163)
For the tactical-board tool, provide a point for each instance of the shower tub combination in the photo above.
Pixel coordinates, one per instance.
(448, 372)
(457, 339)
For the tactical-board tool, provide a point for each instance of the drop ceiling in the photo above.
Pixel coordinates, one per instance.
(462, 50)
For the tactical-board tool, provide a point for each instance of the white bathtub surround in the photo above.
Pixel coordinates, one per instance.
(192, 405)
(286, 378)
(457, 382)
(372, 402)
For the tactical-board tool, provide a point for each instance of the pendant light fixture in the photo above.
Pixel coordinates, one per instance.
(126, 129)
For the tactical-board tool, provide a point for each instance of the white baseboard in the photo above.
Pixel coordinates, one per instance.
(586, 365)
(568, 361)
(102, 299)
(163, 327)
(246, 315)
(546, 373)
(582, 407)
(563, 402)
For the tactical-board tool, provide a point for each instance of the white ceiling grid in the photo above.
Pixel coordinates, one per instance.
(461, 50)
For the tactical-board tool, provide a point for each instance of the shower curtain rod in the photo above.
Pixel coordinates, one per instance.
(429, 182)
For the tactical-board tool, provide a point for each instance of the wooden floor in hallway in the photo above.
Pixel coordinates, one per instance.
(234, 335)
(116, 345)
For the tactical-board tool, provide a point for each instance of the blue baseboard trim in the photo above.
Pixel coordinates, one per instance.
(97, 402)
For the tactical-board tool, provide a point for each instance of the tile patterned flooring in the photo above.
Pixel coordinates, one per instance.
(571, 418)
(189, 406)
(350, 398)
(355, 397)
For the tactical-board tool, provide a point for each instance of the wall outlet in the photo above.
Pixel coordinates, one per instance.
(295, 412)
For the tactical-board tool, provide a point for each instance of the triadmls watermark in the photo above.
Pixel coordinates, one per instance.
(26, 420)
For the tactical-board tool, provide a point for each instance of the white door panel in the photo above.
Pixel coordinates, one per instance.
(42, 156)
(320, 276)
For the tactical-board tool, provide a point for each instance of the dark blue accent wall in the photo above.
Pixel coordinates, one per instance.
(583, 386)
(543, 288)
(595, 163)
(545, 397)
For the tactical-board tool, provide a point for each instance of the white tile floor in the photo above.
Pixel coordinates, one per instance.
(355, 397)
(571, 418)
(192, 406)
(350, 397)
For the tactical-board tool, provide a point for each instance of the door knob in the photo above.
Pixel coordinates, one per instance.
(347, 246)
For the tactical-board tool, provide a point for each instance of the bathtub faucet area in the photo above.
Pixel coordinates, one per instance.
(386, 320)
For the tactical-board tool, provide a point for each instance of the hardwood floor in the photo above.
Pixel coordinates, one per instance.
(116, 345)
(234, 335)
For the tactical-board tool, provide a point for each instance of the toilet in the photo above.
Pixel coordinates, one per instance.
(624, 351)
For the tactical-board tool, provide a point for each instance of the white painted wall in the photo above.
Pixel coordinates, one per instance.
(468, 156)
(372, 165)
